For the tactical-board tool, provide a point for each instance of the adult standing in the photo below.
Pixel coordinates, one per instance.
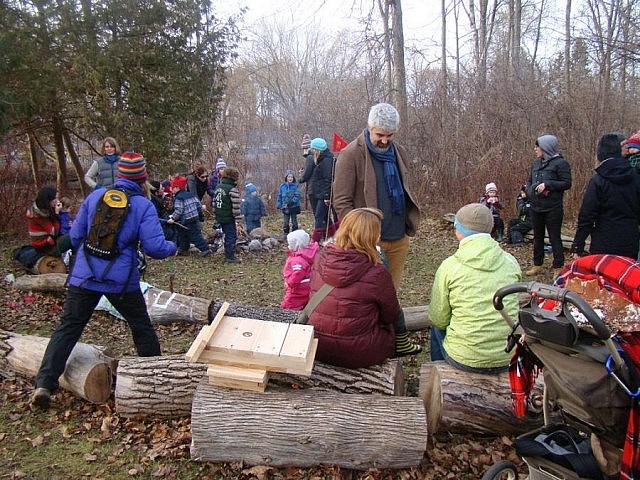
(318, 173)
(550, 177)
(197, 182)
(610, 211)
(373, 171)
(118, 279)
(104, 171)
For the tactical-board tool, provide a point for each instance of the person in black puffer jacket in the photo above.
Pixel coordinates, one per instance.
(610, 211)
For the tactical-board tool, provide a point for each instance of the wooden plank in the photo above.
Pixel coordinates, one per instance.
(203, 338)
(253, 380)
(257, 343)
(310, 360)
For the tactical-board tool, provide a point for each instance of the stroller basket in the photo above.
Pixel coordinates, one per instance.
(557, 452)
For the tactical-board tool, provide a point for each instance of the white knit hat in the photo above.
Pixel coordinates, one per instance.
(297, 240)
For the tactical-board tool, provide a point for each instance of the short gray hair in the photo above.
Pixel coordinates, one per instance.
(384, 116)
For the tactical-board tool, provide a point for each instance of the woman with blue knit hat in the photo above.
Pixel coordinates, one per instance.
(466, 330)
(116, 277)
(288, 201)
(318, 174)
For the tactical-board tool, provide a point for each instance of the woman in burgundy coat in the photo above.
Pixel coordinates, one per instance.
(359, 323)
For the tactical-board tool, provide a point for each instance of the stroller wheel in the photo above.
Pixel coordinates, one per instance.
(504, 470)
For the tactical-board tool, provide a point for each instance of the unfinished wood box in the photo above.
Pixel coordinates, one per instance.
(242, 351)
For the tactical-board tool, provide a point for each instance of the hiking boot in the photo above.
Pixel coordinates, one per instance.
(232, 260)
(41, 398)
(404, 347)
(535, 270)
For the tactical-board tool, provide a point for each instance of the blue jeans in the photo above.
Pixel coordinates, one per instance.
(230, 237)
(439, 353)
(78, 308)
(321, 211)
(192, 234)
(289, 218)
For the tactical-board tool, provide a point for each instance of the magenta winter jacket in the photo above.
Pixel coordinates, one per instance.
(354, 322)
(297, 277)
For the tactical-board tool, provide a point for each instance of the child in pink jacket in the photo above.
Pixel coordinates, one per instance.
(297, 270)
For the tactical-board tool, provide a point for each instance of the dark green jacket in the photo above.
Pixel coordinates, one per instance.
(227, 201)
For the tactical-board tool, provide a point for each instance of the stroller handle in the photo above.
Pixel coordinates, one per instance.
(550, 292)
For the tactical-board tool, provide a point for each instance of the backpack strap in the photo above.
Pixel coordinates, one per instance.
(317, 297)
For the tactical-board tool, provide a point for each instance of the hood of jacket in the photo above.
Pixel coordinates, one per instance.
(308, 252)
(616, 170)
(480, 252)
(549, 146)
(341, 268)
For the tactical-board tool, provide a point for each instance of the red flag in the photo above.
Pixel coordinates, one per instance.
(338, 143)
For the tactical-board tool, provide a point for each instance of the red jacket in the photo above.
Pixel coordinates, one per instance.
(354, 322)
(43, 228)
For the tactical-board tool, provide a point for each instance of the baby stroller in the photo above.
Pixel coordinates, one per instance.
(588, 393)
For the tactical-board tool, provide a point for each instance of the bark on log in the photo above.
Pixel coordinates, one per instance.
(164, 386)
(164, 307)
(88, 374)
(416, 318)
(307, 428)
(464, 402)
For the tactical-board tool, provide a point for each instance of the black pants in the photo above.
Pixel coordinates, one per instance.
(517, 225)
(552, 221)
(78, 308)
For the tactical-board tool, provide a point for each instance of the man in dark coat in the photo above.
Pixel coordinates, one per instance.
(610, 211)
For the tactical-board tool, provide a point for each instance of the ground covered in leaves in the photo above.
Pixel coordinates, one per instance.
(76, 439)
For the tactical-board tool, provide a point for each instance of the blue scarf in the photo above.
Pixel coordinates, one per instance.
(391, 174)
(111, 158)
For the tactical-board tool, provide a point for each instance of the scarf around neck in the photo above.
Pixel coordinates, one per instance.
(391, 174)
(111, 158)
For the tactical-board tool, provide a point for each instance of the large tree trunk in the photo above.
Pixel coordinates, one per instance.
(164, 386)
(464, 402)
(165, 307)
(88, 373)
(307, 428)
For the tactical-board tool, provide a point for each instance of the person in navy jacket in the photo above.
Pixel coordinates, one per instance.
(117, 279)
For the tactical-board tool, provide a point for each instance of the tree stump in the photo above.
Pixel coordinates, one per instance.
(464, 402)
(88, 374)
(164, 386)
(307, 428)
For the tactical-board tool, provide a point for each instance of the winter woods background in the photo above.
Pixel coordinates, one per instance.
(180, 83)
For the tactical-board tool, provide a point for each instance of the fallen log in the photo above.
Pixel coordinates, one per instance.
(166, 307)
(416, 318)
(88, 374)
(465, 402)
(164, 386)
(307, 428)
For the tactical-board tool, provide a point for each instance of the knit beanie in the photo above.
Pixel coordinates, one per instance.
(179, 182)
(490, 187)
(289, 172)
(319, 144)
(473, 218)
(132, 166)
(634, 141)
(609, 146)
(252, 188)
(220, 163)
(297, 240)
(44, 197)
(306, 141)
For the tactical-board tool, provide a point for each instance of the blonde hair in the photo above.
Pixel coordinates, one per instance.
(110, 141)
(66, 202)
(360, 230)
